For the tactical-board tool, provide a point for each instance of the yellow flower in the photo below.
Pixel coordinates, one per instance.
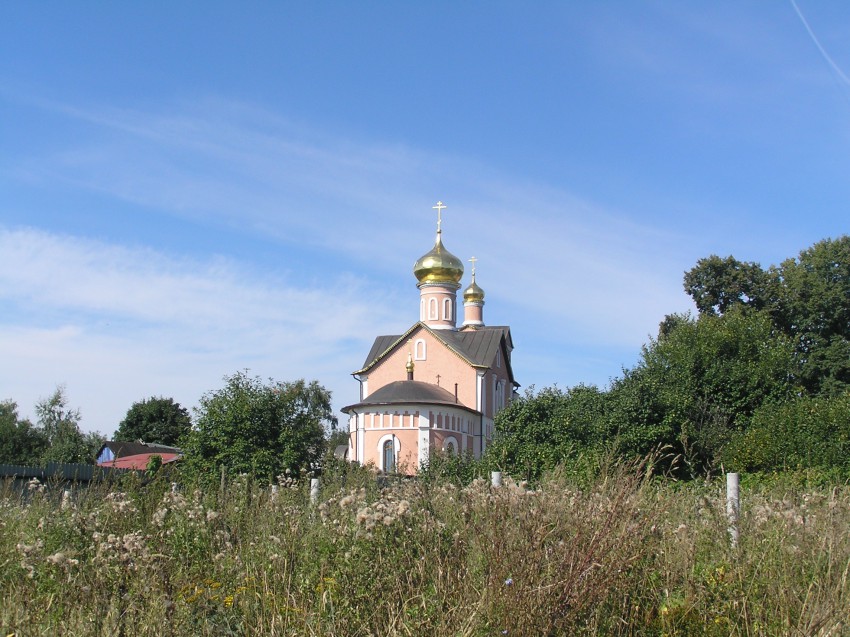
(228, 601)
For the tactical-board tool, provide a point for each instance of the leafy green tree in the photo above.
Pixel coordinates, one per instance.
(60, 425)
(635, 414)
(716, 285)
(156, 420)
(20, 442)
(808, 298)
(259, 428)
(538, 431)
(810, 432)
(816, 311)
(700, 382)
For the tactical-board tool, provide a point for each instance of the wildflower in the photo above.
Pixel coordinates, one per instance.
(509, 582)
(56, 558)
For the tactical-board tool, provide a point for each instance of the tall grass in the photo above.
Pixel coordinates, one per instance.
(621, 555)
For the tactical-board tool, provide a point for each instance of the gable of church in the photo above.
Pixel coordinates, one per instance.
(479, 348)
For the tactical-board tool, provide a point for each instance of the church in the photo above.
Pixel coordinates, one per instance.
(438, 385)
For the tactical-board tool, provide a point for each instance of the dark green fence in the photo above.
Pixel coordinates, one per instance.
(61, 471)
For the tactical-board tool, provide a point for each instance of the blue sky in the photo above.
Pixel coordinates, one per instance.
(190, 189)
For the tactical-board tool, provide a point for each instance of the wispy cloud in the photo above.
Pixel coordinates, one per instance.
(562, 270)
(112, 322)
(248, 167)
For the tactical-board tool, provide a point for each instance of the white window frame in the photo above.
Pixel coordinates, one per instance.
(451, 441)
(396, 448)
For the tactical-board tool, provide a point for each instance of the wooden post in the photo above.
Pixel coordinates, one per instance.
(733, 506)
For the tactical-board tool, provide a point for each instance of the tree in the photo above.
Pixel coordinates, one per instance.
(20, 442)
(816, 311)
(60, 426)
(811, 432)
(701, 381)
(536, 432)
(157, 420)
(808, 298)
(716, 285)
(259, 428)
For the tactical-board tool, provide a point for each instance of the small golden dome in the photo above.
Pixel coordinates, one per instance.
(474, 293)
(438, 266)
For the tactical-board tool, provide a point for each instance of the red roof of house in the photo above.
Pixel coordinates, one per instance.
(139, 461)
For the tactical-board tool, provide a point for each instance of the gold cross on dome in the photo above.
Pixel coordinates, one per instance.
(472, 260)
(439, 208)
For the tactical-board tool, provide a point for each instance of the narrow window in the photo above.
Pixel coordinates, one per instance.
(389, 456)
(447, 309)
(419, 350)
(432, 309)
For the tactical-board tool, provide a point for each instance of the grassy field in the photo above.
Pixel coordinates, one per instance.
(622, 555)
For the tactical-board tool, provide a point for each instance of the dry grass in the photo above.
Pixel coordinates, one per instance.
(623, 556)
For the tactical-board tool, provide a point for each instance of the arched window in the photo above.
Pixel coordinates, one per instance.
(421, 309)
(388, 456)
(432, 309)
(419, 350)
(447, 310)
(450, 446)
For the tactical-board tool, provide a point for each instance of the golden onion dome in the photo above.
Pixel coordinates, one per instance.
(438, 266)
(474, 293)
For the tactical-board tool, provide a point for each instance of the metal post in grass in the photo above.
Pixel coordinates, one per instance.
(496, 478)
(733, 506)
(314, 490)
